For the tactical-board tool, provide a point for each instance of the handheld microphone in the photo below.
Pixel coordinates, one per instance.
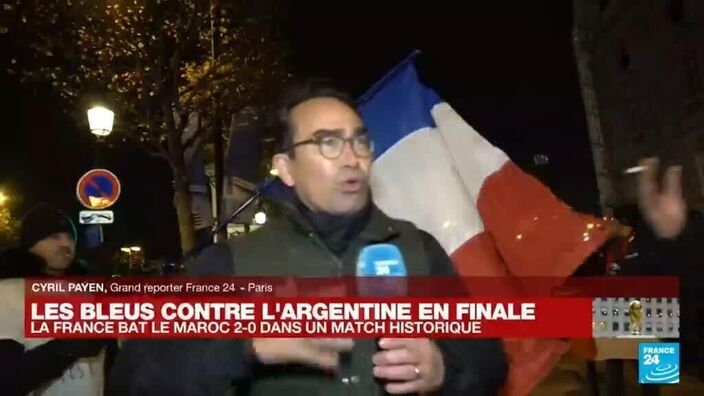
(381, 271)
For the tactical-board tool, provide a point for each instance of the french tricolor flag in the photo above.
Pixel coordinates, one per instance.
(432, 168)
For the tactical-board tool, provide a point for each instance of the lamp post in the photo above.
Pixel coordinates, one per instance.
(134, 256)
(126, 254)
(260, 217)
(100, 121)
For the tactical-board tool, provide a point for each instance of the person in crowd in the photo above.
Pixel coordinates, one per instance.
(44, 366)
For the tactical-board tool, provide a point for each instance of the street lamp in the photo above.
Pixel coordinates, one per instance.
(3, 198)
(100, 120)
(260, 217)
(132, 253)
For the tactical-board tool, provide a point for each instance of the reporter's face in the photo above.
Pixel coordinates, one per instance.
(337, 184)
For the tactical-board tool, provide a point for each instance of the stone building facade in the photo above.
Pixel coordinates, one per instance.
(644, 61)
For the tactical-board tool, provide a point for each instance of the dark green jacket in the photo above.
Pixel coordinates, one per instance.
(288, 246)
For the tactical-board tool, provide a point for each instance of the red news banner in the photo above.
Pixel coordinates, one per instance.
(246, 308)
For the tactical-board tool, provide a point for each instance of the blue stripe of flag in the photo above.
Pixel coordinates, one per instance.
(397, 105)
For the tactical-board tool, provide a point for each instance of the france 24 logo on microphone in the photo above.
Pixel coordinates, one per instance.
(659, 363)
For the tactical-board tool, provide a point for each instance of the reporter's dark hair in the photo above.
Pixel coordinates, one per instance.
(297, 93)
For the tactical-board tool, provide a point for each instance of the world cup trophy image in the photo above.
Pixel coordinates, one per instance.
(635, 316)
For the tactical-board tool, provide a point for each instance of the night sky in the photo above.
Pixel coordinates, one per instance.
(507, 68)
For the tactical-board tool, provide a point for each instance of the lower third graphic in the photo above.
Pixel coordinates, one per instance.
(659, 363)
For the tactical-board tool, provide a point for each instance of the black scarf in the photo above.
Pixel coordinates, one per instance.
(336, 231)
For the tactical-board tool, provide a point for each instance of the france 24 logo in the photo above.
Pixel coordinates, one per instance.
(659, 363)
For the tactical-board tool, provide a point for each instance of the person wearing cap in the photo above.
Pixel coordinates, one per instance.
(47, 245)
(43, 366)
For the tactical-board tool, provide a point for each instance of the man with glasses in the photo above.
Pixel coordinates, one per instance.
(325, 163)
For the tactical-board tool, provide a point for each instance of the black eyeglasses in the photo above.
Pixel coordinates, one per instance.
(332, 146)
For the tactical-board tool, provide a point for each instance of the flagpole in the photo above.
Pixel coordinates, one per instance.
(219, 227)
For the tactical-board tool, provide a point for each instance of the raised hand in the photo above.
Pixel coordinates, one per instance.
(664, 209)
